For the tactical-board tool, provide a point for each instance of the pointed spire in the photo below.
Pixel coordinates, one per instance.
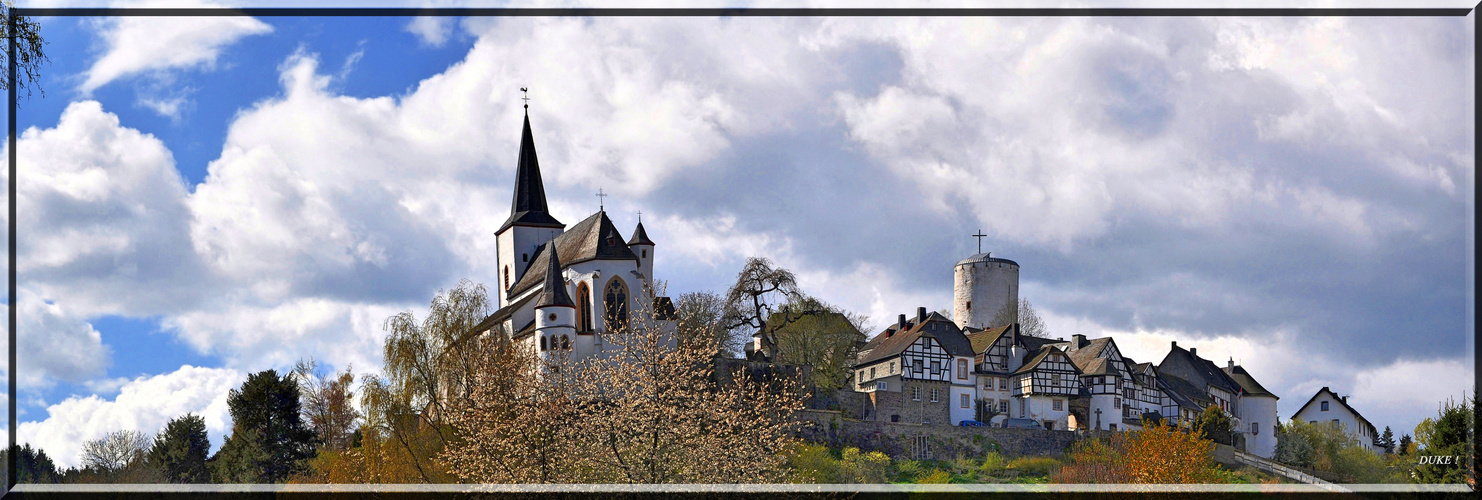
(554, 292)
(640, 237)
(528, 206)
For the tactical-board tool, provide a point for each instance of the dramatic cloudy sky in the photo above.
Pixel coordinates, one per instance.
(205, 198)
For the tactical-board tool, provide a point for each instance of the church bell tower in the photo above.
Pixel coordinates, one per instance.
(530, 223)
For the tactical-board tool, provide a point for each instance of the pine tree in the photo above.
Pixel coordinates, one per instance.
(180, 450)
(266, 411)
(1405, 443)
(1387, 440)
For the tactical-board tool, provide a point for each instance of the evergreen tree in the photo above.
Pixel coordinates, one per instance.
(1214, 424)
(34, 467)
(1405, 442)
(269, 435)
(180, 450)
(1387, 440)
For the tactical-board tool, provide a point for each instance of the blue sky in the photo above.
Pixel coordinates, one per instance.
(1296, 194)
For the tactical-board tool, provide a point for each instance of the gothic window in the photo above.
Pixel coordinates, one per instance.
(615, 303)
(565, 343)
(583, 308)
(542, 343)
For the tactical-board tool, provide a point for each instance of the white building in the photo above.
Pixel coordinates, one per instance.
(560, 289)
(1327, 407)
(1257, 411)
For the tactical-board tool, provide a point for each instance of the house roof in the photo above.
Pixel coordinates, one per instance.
(640, 237)
(594, 238)
(1206, 370)
(553, 291)
(1247, 382)
(889, 342)
(1040, 357)
(1183, 392)
(1341, 401)
(528, 207)
(984, 257)
(981, 340)
(1096, 366)
(1089, 352)
(1033, 344)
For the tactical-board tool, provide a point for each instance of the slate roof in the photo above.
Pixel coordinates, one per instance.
(502, 314)
(1205, 369)
(936, 326)
(528, 207)
(980, 340)
(1247, 382)
(984, 257)
(1087, 354)
(594, 238)
(553, 292)
(640, 237)
(1095, 366)
(1040, 357)
(1341, 401)
(1183, 392)
(1035, 343)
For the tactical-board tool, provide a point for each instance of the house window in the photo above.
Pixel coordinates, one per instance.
(1058, 405)
(936, 366)
(583, 307)
(861, 376)
(892, 367)
(1112, 426)
(615, 302)
(962, 369)
(964, 403)
(1003, 406)
(872, 372)
(915, 394)
(1021, 408)
(1003, 384)
(1117, 403)
(1255, 428)
(880, 385)
(1324, 406)
(934, 395)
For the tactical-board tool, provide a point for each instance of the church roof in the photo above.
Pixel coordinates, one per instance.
(528, 207)
(594, 238)
(502, 314)
(640, 237)
(554, 290)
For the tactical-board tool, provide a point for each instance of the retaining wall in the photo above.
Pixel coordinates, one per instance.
(939, 442)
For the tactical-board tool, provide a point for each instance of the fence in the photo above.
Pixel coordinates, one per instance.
(1230, 454)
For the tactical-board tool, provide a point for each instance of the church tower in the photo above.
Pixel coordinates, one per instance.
(555, 314)
(530, 223)
(644, 249)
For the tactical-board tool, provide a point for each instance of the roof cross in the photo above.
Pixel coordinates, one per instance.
(526, 90)
(640, 216)
(980, 236)
(601, 200)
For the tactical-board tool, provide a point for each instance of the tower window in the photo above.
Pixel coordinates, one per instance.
(552, 317)
(565, 343)
(644, 252)
(542, 343)
(583, 308)
(506, 277)
(524, 257)
(969, 305)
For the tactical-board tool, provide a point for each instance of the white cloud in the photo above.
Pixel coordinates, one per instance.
(134, 45)
(432, 31)
(145, 404)
(54, 344)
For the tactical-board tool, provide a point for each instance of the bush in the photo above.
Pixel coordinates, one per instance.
(1038, 466)
(937, 477)
(992, 462)
(1327, 448)
(1156, 455)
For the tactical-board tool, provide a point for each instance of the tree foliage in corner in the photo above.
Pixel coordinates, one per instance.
(822, 337)
(328, 404)
(269, 438)
(29, 56)
(180, 450)
(758, 304)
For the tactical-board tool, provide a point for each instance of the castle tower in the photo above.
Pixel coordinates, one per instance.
(982, 286)
(529, 223)
(555, 314)
(644, 248)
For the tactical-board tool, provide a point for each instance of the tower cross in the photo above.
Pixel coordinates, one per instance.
(980, 236)
(526, 90)
(601, 200)
(640, 216)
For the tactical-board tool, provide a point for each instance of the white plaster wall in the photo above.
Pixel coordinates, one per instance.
(514, 242)
(1336, 410)
(988, 286)
(1042, 408)
(958, 413)
(1259, 411)
(1109, 413)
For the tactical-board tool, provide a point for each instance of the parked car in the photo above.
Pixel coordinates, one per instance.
(1022, 423)
(972, 423)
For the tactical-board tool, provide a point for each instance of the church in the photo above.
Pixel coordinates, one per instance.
(560, 289)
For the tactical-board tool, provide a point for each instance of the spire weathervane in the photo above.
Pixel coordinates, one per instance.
(601, 198)
(980, 236)
(526, 90)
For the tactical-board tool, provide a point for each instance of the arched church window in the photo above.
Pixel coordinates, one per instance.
(565, 343)
(506, 277)
(583, 308)
(615, 302)
(542, 343)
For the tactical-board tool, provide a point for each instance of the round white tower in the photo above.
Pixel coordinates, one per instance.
(555, 313)
(981, 287)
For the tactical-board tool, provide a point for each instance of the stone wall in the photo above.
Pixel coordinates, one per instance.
(939, 442)
(890, 406)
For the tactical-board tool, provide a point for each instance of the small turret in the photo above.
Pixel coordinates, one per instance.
(644, 249)
(555, 313)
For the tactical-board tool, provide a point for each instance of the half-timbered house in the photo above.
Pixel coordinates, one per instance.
(917, 371)
(1043, 387)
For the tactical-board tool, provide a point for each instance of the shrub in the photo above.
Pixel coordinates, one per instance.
(937, 477)
(992, 462)
(1039, 466)
(856, 467)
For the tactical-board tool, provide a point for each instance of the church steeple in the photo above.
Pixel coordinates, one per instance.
(528, 207)
(554, 293)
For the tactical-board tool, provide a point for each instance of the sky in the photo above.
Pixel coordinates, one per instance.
(204, 198)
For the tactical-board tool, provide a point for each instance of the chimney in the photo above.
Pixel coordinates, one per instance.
(1175, 344)
(1194, 351)
(1231, 364)
(920, 315)
(900, 323)
(1345, 399)
(1077, 341)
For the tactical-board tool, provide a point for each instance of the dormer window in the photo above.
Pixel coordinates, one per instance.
(1324, 406)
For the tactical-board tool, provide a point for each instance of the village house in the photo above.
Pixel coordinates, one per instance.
(1327, 407)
